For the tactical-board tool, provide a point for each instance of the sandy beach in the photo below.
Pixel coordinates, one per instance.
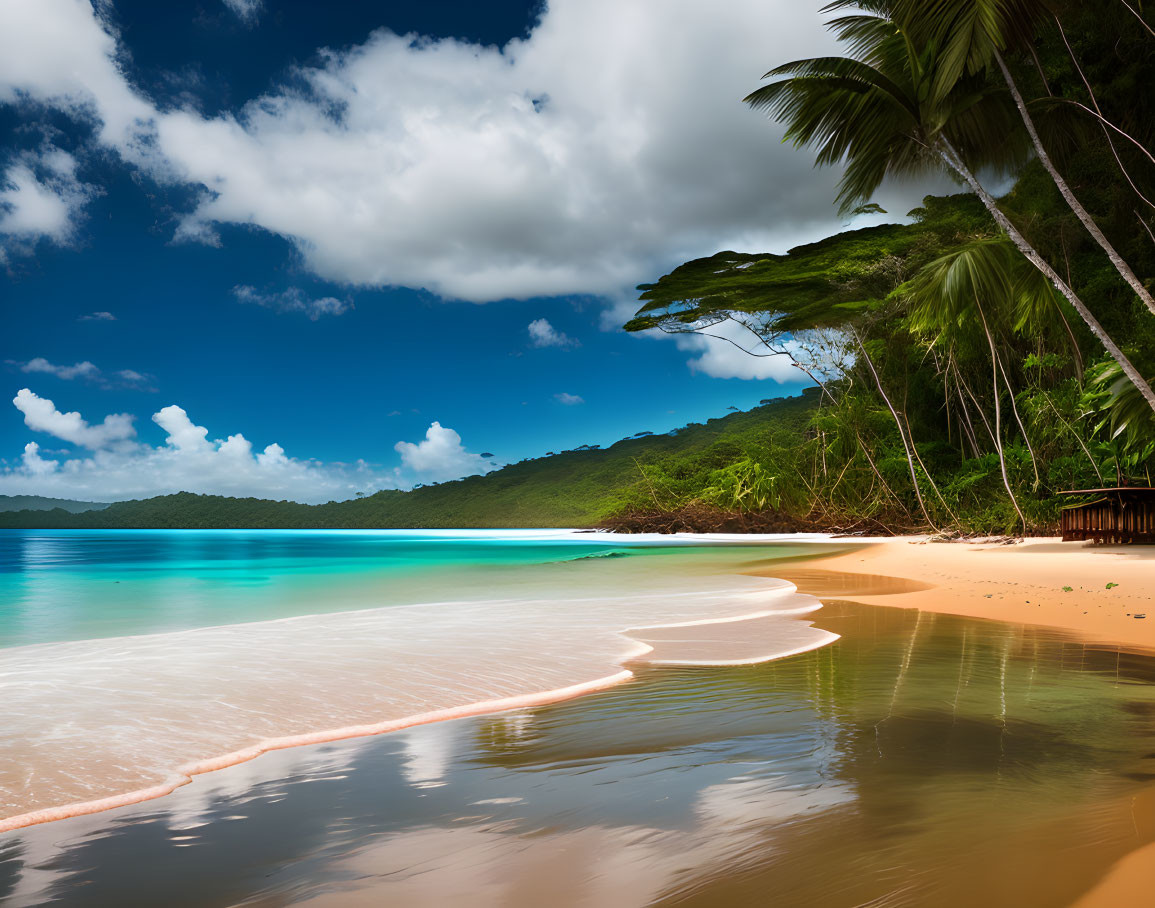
(1105, 594)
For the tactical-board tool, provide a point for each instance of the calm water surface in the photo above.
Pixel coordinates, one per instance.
(920, 760)
(130, 659)
(58, 585)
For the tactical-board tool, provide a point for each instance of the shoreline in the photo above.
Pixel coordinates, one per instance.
(1018, 584)
(1096, 592)
(643, 652)
(1021, 583)
(185, 774)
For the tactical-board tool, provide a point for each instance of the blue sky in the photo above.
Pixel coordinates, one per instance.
(329, 230)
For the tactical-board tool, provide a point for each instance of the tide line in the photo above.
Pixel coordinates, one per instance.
(184, 774)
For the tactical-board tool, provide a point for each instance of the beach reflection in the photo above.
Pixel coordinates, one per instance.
(920, 760)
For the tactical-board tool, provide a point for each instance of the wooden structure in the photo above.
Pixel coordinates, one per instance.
(1123, 514)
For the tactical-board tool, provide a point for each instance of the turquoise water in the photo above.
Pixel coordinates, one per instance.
(128, 655)
(58, 585)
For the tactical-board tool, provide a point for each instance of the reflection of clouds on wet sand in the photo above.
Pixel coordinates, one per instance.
(489, 866)
(427, 756)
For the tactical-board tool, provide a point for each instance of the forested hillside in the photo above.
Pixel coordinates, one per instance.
(573, 488)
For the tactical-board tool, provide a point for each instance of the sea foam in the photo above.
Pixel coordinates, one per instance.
(95, 724)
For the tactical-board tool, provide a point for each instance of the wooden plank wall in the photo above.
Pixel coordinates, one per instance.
(1119, 518)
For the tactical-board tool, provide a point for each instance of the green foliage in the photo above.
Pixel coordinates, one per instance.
(894, 104)
(818, 285)
(577, 488)
(1122, 414)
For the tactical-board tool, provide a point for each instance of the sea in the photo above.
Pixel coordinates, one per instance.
(539, 717)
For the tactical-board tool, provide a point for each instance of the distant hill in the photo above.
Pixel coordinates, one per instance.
(578, 488)
(39, 503)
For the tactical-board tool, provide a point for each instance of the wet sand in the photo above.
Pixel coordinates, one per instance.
(921, 759)
(1106, 594)
(1021, 583)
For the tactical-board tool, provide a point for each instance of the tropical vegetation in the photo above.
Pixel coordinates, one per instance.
(968, 364)
(1001, 350)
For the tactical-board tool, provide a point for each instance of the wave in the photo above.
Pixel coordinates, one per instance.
(97, 724)
(593, 556)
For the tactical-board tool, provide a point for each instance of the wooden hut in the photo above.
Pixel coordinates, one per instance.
(1125, 514)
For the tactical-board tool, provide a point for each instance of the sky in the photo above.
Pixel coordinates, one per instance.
(301, 251)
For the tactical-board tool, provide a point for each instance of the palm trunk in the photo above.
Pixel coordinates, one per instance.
(929, 478)
(971, 435)
(1019, 420)
(901, 432)
(998, 416)
(1076, 206)
(955, 162)
(1136, 14)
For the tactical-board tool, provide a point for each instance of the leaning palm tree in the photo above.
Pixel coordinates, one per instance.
(987, 283)
(972, 36)
(877, 112)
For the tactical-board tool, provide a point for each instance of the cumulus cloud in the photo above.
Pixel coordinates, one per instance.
(34, 464)
(729, 350)
(41, 415)
(441, 456)
(569, 400)
(543, 334)
(119, 467)
(60, 53)
(293, 300)
(475, 172)
(97, 317)
(40, 198)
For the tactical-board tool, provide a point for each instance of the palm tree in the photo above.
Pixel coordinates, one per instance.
(878, 112)
(985, 282)
(973, 35)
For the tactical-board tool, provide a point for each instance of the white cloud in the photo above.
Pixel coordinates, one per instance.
(293, 300)
(79, 370)
(182, 434)
(245, 10)
(40, 198)
(34, 463)
(543, 334)
(59, 53)
(721, 353)
(120, 468)
(477, 172)
(41, 415)
(123, 378)
(730, 350)
(440, 456)
(97, 317)
(569, 400)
